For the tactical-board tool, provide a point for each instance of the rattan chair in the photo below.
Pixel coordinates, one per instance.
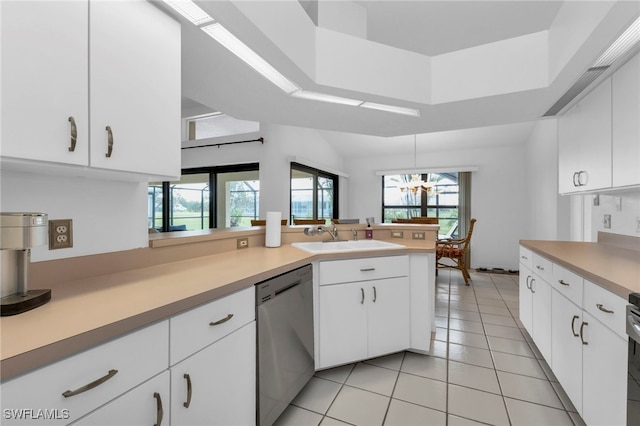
(455, 251)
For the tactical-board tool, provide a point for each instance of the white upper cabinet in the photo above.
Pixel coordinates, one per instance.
(45, 82)
(626, 124)
(104, 71)
(585, 143)
(134, 88)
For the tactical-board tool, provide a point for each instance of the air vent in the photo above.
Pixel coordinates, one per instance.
(583, 82)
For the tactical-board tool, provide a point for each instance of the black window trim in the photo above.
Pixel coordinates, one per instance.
(316, 173)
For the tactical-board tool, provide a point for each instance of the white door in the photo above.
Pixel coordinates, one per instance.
(626, 124)
(218, 383)
(343, 323)
(566, 346)
(389, 321)
(541, 315)
(605, 375)
(135, 88)
(526, 299)
(45, 80)
(147, 404)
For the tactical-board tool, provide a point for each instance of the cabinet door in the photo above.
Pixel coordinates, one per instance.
(526, 299)
(221, 382)
(389, 328)
(343, 323)
(148, 404)
(569, 136)
(626, 124)
(44, 80)
(135, 87)
(541, 315)
(605, 375)
(566, 356)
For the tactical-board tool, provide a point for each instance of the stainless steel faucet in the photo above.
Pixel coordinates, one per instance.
(321, 230)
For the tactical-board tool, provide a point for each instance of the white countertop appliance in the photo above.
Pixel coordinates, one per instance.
(19, 232)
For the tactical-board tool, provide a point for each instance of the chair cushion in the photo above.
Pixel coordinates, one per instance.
(449, 252)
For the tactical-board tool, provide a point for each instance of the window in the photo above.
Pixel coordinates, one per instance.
(441, 201)
(314, 193)
(205, 198)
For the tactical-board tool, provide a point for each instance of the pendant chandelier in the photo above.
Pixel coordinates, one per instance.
(416, 184)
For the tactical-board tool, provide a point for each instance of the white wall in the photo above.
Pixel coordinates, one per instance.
(281, 143)
(548, 215)
(623, 219)
(107, 215)
(499, 198)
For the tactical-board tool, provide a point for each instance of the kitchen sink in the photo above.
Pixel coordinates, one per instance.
(345, 246)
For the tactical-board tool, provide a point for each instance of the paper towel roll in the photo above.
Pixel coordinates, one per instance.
(273, 231)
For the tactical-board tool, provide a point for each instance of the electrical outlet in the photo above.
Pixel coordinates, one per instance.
(242, 243)
(60, 234)
(397, 234)
(638, 224)
(418, 236)
(607, 221)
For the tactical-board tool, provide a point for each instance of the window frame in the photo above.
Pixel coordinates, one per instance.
(315, 173)
(213, 172)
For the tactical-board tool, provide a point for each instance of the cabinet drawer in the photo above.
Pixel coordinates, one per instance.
(119, 365)
(542, 267)
(370, 268)
(199, 327)
(568, 283)
(526, 257)
(607, 307)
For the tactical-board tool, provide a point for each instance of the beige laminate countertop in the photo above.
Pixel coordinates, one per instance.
(614, 268)
(87, 312)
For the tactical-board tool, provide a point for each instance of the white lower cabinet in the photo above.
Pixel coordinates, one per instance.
(566, 355)
(363, 319)
(364, 308)
(216, 386)
(73, 387)
(146, 405)
(535, 304)
(588, 347)
(604, 366)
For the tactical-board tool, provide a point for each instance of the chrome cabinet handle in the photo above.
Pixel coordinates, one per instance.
(362, 300)
(603, 309)
(367, 269)
(375, 295)
(95, 383)
(189, 390)
(524, 257)
(580, 178)
(581, 335)
(574, 179)
(564, 283)
(573, 330)
(533, 280)
(222, 321)
(74, 134)
(159, 410)
(109, 142)
(540, 268)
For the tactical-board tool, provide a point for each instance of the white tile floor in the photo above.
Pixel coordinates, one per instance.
(492, 372)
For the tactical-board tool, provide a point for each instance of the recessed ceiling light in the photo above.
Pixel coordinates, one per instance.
(619, 47)
(190, 11)
(392, 108)
(242, 51)
(323, 97)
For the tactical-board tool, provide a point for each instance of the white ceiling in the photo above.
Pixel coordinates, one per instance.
(215, 79)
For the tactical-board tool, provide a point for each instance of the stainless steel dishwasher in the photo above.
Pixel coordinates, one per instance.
(284, 312)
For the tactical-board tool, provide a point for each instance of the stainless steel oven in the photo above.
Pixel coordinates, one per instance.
(633, 389)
